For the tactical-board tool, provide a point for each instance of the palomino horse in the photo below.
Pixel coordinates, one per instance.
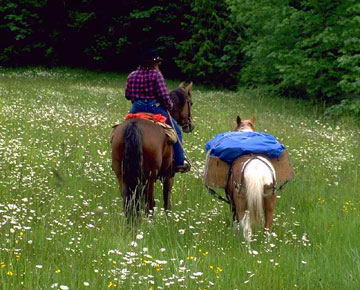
(251, 187)
(142, 153)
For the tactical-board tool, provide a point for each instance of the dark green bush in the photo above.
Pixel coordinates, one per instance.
(212, 54)
(305, 48)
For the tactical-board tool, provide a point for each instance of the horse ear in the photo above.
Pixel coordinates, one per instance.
(253, 119)
(238, 120)
(189, 87)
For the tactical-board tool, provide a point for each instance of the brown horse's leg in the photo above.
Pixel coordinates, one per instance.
(167, 185)
(149, 196)
(269, 206)
(116, 166)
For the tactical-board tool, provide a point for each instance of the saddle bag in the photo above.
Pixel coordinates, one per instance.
(217, 171)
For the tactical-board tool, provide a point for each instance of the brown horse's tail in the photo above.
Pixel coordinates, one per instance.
(132, 166)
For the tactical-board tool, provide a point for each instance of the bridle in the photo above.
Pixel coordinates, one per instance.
(188, 123)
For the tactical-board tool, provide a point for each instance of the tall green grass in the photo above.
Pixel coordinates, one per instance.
(61, 220)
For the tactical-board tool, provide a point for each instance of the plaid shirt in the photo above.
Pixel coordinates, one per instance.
(148, 84)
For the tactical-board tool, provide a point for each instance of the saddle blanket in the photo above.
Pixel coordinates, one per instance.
(153, 117)
(230, 145)
(157, 119)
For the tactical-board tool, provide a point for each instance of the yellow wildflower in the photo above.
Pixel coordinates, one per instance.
(111, 284)
(219, 269)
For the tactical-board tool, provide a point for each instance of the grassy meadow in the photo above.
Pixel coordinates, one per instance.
(61, 219)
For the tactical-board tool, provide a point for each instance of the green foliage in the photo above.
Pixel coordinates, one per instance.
(305, 48)
(90, 33)
(19, 30)
(212, 54)
(345, 108)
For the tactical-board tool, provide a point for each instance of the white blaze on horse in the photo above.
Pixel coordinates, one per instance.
(251, 187)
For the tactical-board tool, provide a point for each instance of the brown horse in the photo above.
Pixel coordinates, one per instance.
(251, 187)
(142, 153)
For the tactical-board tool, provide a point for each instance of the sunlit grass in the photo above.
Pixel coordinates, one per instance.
(61, 221)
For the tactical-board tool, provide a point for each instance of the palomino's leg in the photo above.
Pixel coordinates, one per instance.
(240, 204)
(230, 198)
(269, 207)
(243, 215)
(167, 186)
(149, 196)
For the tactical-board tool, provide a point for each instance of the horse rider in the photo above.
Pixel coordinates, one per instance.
(147, 90)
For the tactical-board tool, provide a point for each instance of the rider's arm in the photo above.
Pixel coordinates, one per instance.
(162, 91)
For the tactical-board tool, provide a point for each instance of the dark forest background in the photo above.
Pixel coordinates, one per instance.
(307, 49)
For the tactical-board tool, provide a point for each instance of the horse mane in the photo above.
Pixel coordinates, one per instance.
(178, 97)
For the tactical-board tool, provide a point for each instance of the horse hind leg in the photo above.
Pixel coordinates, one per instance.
(242, 214)
(246, 226)
(149, 197)
(269, 207)
(167, 186)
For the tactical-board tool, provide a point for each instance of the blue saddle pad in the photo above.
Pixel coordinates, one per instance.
(230, 145)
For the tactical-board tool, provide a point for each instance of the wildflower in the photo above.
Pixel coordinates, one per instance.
(139, 236)
(64, 287)
(133, 244)
(86, 284)
(111, 284)
(219, 269)
(39, 266)
(57, 271)
(303, 262)
(181, 231)
(9, 273)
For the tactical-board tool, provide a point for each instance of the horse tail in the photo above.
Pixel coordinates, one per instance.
(257, 175)
(132, 165)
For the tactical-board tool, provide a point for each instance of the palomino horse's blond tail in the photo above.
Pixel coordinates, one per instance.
(257, 174)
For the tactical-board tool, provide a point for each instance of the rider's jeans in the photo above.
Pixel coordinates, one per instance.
(154, 107)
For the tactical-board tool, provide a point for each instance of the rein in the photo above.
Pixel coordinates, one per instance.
(187, 158)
